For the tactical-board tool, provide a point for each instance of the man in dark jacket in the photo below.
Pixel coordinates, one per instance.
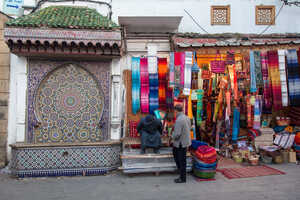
(150, 130)
(181, 141)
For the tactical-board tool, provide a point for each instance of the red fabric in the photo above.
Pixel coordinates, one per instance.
(162, 82)
(133, 133)
(144, 85)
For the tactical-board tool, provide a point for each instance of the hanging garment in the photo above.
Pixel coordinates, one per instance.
(152, 64)
(257, 113)
(253, 87)
(236, 124)
(144, 85)
(135, 81)
(200, 80)
(235, 86)
(188, 72)
(230, 58)
(182, 66)
(162, 82)
(284, 92)
(195, 71)
(249, 111)
(275, 79)
(169, 98)
(177, 68)
(171, 71)
(293, 77)
(153, 96)
(199, 106)
(190, 106)
(258, 74)
(267, 105)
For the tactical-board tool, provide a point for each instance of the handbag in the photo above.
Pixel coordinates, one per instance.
(217, 66)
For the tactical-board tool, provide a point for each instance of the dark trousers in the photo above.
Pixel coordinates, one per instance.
(180, 160)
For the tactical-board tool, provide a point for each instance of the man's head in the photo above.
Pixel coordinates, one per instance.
(178, 108)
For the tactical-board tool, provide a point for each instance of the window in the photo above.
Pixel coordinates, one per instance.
(220, 15)
(265, 15)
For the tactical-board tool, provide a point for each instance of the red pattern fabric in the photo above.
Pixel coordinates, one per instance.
(162, 82)
(144, 85)
(133, 133)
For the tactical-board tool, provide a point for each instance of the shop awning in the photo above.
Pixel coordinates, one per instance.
(227, 39)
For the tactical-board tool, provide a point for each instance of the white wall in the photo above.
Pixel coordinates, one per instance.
(17, 100)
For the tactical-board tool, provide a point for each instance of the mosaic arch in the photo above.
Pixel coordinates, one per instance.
(68, 103)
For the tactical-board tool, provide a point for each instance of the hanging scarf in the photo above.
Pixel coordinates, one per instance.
(195, 71)
(284, 92)
(169, 100)
(275, 79)
(230, 59)
(267, 105)
(135, 81)
(231, 76)
(190, 106)
(257, 113)
(162, 81)
(199, 106)
(171, 71)
(228, 112)
(200, 80)
(236, 124)
(258, 74)
(188, 72)
(153, 96)
(293, 77)
(177, 67)
(144, 85)
(152, 64)
(249, 111)
(252, 73)
(235, 86)
(182, 66)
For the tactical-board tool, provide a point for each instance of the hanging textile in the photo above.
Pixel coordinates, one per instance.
(235, 86)
(257, 114)
(227, 112)
(152, 64)
(153, 96)
(135, 81)
(182, 66)
(177, 68)
(249, 111)
(252, 73)
(267, 105)
(162, 81)
(171, 71)
(190, 106)
(230, 58)
(236, 124)
(200, 80)
(144, 85)
(188, 72)
(275, 79)
(169, 98)
(258, 74)
(199, 106)
(284, 92)
(293, 77)
(195, 71)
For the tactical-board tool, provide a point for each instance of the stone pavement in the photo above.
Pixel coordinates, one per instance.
(116, 186)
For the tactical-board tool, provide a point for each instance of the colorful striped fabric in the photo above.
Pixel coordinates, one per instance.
(162, 82)
(284, 91)
(152, 64)
(153, 96)
(293, 77)
(258, 74)
(236, 124)
(257, 113)
(230, 59)
(171, 71)
(267, 105)
(169, 98)
(177, 67)
(135, 76)
(275, 79)
(144, 85)
(253, 87)
(188, 72)
(182, 66)
(199, 106)
(195, 71)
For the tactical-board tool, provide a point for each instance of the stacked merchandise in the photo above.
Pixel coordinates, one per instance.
(297, 145)
(204, 160)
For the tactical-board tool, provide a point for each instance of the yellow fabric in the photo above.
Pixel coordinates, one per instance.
(190, 106)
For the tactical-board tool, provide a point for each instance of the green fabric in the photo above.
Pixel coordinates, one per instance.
(70, 17)
(199, 106)
(205, 175)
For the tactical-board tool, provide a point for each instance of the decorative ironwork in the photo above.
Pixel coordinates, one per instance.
(265, 15)
(220, 15)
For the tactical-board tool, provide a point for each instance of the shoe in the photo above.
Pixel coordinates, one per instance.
(179, 180)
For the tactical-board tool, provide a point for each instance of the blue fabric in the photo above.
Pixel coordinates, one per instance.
(236, 124)
(153, 94)
(204, 165)
(196, 144)
(279, 129)
(293, 77)
(135, 83)
(252, 73)
(197, 166)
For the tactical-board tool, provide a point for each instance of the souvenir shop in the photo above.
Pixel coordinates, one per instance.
(242, 97)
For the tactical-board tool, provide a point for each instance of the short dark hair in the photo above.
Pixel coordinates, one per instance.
(178, 108)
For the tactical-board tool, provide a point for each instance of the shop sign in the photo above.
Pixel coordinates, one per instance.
(11, 7)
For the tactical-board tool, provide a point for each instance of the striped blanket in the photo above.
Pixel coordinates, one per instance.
(293, 77)
(135, 77)
(284, 92)
(275, 79)
(267, 104)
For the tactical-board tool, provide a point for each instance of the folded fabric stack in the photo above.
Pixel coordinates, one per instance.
(253, 133)
(204, 162)
(297, 144)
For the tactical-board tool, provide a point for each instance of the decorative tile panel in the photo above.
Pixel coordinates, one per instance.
(265, 15)
(45, 78)
(220, 15)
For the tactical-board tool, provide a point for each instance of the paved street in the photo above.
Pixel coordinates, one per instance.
(117, 186)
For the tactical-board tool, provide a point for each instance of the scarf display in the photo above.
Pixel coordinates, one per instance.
(144, 85)
(267, 105)
(169, 98)
(177, 68)
(199, 106)
(195, 75)
(258, 74)
(188, 72)
(182, 66)
(152, 64)
(171, 71)
(257, 113)
(249, 111)
(135, 80)
(236, 124)
(252, 73)
(275, 79)
(162, 81)
(153, 96)
(284, 92)
(293, 77)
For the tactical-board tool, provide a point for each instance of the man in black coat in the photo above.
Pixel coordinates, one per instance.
(150, 130)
